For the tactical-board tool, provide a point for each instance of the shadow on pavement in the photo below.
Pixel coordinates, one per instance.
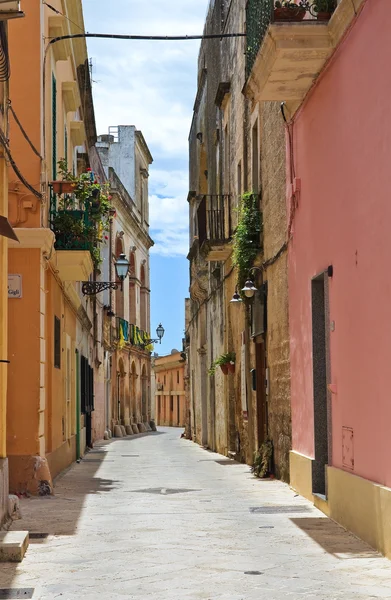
(333, 538)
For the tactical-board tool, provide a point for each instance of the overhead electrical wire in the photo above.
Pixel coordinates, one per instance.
(58, 12)
(159, 38)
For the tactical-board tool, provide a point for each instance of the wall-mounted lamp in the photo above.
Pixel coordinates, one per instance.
(91, 288)
(236, 297)
(159, 332)
(249, 287)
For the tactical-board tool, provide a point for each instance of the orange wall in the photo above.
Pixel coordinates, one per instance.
(25, 93)
(24, 354)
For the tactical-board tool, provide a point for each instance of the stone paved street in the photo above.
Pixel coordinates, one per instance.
(155, 516)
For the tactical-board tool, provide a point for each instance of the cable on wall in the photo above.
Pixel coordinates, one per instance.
(25, 135)
(4, 143)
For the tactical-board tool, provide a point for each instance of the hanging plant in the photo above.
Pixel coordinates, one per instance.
(224, 361)
(247, 237)
(82, 218)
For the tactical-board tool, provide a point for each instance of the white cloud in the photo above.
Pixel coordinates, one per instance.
(151, 85)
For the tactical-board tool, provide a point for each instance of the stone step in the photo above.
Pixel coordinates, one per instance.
(13, 545)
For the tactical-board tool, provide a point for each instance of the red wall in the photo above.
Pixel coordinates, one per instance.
(342, 141)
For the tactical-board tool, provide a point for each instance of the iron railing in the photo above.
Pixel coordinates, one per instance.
(71, 226)
(131, 334)
(261, 13)
(214, 218)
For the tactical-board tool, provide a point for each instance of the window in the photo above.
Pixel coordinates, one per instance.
(54, 127)
(172, 403)
(164, 380)
(177, 376)
(57, 343)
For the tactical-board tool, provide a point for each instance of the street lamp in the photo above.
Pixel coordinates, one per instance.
(236, 297)
(159, 333)
(91, 288)
(122, 267)
(249, 287)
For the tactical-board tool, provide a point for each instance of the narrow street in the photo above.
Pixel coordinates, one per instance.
(155, 516)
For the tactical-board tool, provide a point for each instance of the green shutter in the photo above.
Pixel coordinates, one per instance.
(54, 127)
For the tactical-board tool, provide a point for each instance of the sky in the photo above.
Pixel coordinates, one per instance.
(152, 85)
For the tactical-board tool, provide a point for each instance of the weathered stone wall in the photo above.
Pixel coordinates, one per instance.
(273, 167)
(221, 161)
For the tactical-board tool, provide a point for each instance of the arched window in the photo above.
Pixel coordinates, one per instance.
(132, 289)
(119, 294)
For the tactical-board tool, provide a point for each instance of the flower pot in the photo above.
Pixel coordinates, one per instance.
(224, 368)
(323, 16)
(289, 14)
(231, 367)
(62, 187)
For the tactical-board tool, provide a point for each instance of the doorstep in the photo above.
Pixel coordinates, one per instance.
(13, 545)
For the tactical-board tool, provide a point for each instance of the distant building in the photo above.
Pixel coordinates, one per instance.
(170, 390)
(126, 311)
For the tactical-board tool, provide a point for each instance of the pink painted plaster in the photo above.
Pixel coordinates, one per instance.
(342, 140)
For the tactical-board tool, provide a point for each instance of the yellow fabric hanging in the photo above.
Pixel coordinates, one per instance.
(121, 342)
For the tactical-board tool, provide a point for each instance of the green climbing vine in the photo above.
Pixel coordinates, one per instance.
(247, 237)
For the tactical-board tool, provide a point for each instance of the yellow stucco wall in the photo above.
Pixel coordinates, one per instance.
(360, 505)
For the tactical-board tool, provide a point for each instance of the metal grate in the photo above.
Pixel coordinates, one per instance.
(271, 510)
(25, 593)
(165, 491)
(258, 19)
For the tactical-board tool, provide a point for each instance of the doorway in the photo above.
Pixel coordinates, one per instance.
(320, 362)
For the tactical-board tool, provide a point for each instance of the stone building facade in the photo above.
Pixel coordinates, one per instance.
(126, 311)
(237, 145)
(170, 401)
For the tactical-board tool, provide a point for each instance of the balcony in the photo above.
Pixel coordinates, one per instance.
(129, 334)
(73, 243)
(286, 47)
(214, 227)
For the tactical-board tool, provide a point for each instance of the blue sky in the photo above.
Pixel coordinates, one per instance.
(152, 85)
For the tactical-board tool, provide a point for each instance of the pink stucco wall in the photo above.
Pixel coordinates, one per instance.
(343, 157)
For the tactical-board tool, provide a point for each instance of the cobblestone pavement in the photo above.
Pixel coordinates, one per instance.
(155, 516)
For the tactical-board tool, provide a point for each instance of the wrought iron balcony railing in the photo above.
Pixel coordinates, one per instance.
(214, 219)
(130, 334)
(73, 228)
(261, 13)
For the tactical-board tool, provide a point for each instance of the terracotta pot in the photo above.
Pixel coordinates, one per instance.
(62, 187)
(224, 368)
(323, 16)
(231, 367)
(289, 14)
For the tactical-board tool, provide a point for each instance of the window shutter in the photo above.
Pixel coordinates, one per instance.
(57, 343)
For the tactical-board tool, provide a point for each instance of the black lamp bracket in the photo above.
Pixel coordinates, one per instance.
(90, 288)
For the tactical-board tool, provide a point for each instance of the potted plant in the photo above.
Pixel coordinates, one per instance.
(226, 362)
(62, 187)
(80, 220)
(324, 9)
(288, 10)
